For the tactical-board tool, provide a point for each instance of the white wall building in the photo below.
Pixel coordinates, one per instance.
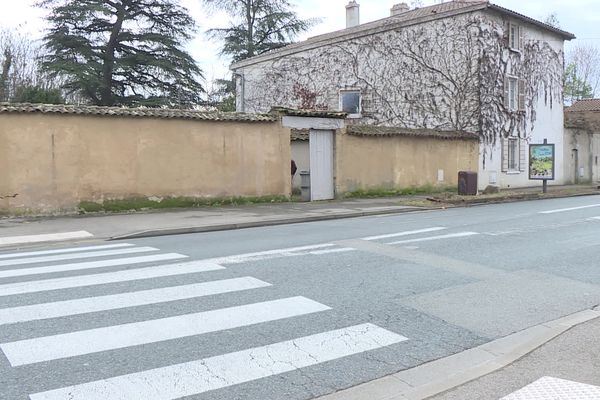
(457, 66)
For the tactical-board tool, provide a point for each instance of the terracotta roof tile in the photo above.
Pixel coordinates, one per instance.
(412, 17)
(584, 105)
(163, 113)
(367, 130)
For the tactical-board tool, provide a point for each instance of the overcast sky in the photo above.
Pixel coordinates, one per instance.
(581, 17)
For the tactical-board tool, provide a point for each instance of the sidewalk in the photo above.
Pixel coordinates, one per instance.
(573, 356)
(558, 360)
(155, 223)
(170, 222)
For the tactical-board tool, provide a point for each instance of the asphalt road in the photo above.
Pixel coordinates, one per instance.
(240, 315)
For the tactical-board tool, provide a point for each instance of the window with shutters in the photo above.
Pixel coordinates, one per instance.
(514, 158)
(514, 94)
(515, 37)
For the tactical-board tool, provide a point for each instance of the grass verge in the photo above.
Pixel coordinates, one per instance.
(394, 192)
(143, 203)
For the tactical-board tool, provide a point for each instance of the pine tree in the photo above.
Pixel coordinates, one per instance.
(257, 26)
(123, 52)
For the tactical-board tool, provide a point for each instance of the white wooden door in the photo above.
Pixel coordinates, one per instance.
(321, 165)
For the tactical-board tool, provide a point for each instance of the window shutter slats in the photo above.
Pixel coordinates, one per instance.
(521, 95)
(522, 155)
(521, 39)
(506, 93)
(504, 145)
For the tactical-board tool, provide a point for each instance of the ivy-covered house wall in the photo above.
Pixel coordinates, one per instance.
(482, 71)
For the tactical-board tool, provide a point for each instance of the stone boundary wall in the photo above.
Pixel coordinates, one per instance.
(50, 162)
(401, 161)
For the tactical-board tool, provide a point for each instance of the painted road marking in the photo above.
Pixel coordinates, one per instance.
(68, 250)
(187, 379)
(407, 233)
(265, 255)
(427, 239)
(548, 388)
(595, 218)
(72, 344)
(317, 249)
(568, 209)
(90, 265)
(159, 271)
(91, 254)
(332, 251)
(52, 237)
(132, 299)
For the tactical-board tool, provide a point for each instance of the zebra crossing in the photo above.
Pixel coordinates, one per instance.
(34, 271)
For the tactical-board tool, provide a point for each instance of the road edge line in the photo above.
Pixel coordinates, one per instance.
(433, 378)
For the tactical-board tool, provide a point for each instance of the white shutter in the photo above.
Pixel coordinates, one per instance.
(504, 147)
(506, 93)
(522, 155)
(521, 104)
(521, 42)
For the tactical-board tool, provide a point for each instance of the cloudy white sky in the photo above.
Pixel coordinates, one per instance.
(581, 17)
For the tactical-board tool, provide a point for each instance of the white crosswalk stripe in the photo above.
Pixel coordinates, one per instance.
(63, 251)
(108, 277)
(137, 333)
(168, 381)
(90, 265)
(62, 257)
(50, 237)
(217, 372)
(132, 299)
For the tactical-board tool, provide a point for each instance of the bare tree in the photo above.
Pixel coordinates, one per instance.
(552, 20)
(583, 67)
(20, 66)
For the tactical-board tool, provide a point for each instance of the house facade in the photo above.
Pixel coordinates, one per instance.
(582, 142)
(459, 66)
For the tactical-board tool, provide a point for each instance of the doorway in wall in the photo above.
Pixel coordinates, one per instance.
(321, 164)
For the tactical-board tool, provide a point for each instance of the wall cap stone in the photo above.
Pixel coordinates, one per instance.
(382, 131)
(163, 113)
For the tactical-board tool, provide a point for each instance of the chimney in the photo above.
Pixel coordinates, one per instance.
(352, 14)
(399, 9)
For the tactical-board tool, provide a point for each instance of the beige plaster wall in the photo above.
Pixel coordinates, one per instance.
(399, 161)
(55, 161)
(581, 157)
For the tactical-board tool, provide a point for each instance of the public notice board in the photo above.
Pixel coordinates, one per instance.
(541, 162)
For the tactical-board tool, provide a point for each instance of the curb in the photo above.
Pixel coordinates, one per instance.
(514, 199)
(264, 223)
(439, 376)
(316, 218)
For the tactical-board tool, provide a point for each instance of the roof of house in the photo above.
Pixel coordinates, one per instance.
(379, 131)
(163, 113)
(412, 17)
(584, 105)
